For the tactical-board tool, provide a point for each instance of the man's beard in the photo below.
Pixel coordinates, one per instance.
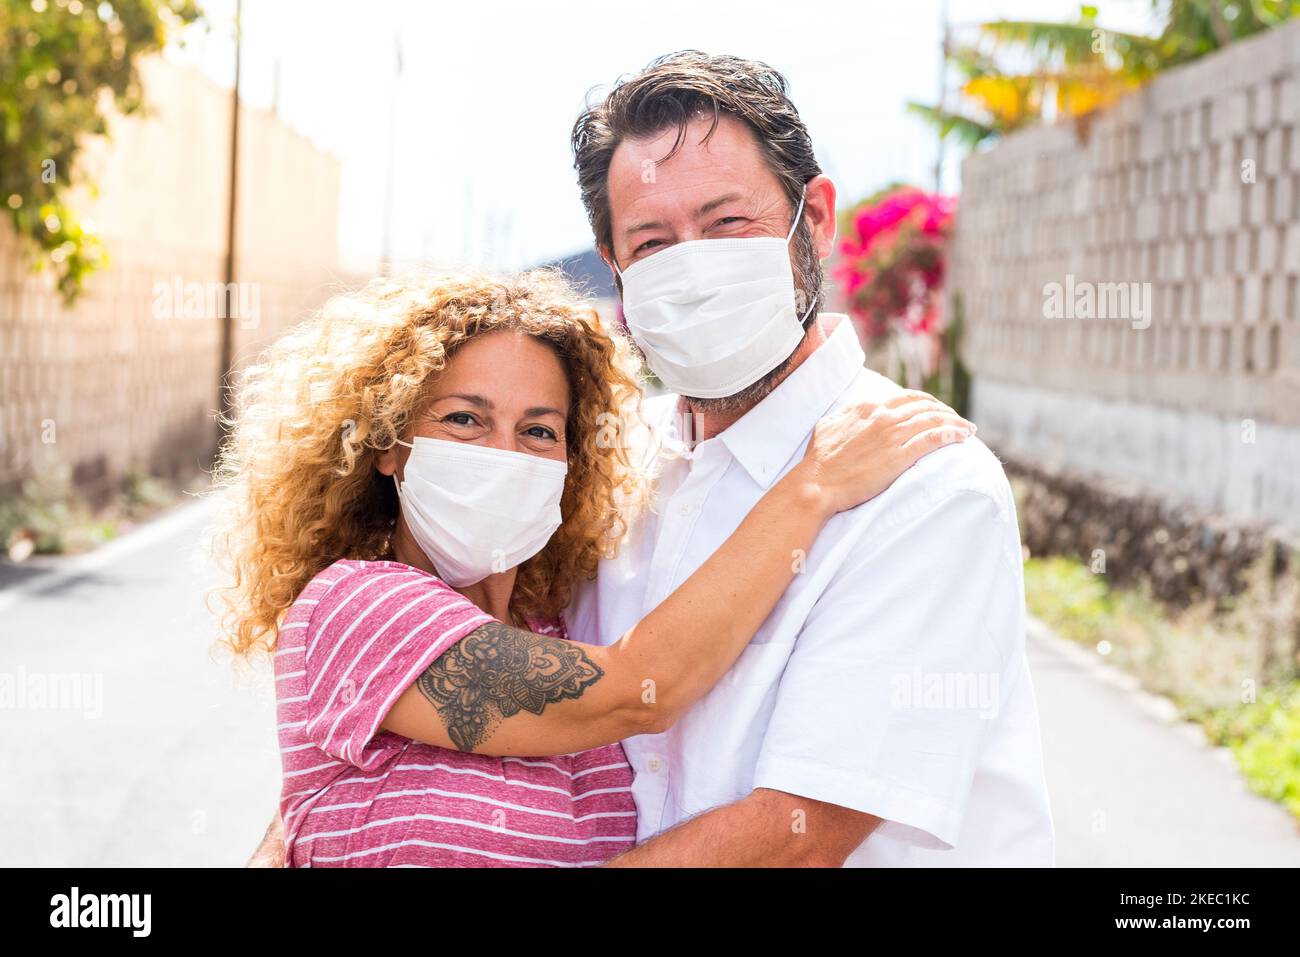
(808, 279)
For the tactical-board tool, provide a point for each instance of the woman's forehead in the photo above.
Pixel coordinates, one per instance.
(507, 369)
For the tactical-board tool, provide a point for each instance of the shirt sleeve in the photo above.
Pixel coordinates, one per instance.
(369, 638)
(901, 667)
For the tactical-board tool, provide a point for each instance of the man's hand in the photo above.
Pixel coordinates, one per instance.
(765, 829)
(270, 853)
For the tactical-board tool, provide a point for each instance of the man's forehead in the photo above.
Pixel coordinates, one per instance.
(730, 136)
(728, 161)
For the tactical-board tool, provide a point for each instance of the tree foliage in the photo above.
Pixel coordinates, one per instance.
(63, 65)
(1015, 71)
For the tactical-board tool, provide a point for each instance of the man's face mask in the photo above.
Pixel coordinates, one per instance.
(713, 316)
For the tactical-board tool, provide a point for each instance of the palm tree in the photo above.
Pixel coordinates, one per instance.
(1015, 72)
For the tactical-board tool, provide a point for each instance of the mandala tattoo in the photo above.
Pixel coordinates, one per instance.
(496, 672)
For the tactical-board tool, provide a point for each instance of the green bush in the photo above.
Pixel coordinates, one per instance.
(49, 517)
(1068, 597)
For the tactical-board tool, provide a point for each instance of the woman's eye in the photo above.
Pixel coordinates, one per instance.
(540, 432)
(459, 418)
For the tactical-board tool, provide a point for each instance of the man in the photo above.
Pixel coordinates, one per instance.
(883, 715)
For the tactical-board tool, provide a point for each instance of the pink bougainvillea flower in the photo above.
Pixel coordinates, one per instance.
(891, 262)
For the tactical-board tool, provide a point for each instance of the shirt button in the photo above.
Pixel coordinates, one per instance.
(685, 510)
(654, 765)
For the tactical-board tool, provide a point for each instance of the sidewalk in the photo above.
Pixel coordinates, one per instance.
(1131, 786)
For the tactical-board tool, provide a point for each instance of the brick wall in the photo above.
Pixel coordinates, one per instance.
(120, 380)
(1193, 186)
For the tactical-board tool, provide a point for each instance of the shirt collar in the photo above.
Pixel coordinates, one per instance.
(765, 437)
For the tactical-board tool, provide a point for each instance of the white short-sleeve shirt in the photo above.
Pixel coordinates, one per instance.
(890, 678)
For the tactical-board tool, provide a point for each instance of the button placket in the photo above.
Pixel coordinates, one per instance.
(680, 514)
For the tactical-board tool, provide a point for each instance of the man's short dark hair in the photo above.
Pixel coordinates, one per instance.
(673, 90)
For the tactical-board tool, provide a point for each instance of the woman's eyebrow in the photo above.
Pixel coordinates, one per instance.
(543, 410)
(481, 401)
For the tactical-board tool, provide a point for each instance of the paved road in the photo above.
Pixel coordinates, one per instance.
(170, 759)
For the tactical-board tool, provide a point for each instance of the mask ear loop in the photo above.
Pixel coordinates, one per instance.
(790, 235)
(797, 213)
(396, 483)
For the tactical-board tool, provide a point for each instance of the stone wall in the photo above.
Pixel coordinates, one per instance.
(1182, 554)
(128, 378)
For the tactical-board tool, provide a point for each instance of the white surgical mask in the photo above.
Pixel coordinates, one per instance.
(474, 510)
(713, 316)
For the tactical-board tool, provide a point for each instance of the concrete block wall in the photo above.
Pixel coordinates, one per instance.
(115, 382)
(1190, 185)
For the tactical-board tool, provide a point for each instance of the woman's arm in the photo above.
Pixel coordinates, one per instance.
(506, 691)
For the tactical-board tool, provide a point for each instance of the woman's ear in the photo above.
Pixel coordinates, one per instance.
(386, 461)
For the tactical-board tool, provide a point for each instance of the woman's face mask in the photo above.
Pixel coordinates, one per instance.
(475, 510)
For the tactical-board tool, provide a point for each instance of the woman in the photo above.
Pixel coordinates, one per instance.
(416, 479)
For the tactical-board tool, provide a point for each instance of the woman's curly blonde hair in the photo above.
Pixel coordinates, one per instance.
(296, 475)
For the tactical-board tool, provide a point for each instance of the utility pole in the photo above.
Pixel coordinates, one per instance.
(386, 256)
(943, 90)
(275, 87)
(225, 401)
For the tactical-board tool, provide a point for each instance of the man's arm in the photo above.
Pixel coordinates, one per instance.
(270, 853)
(765, 829)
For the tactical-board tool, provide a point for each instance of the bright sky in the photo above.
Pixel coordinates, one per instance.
(479, 120)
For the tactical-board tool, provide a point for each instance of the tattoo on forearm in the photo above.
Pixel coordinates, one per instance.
(497, 671)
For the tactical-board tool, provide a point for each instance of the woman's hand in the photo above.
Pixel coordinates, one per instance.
(857, 452)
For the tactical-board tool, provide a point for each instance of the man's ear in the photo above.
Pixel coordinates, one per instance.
(819, 207)
(608, 257)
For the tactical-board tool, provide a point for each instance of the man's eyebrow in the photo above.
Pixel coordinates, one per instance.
(713, 204)
(704, 210)
(642, 226)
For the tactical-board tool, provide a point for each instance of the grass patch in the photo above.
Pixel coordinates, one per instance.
(1265, 738)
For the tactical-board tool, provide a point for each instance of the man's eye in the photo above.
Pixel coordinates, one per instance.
(728, 220)
(649, 243)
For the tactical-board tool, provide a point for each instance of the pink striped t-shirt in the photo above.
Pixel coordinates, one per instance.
(354, 795)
